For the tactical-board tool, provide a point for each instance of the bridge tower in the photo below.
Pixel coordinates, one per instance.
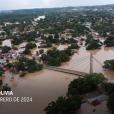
(91, 63)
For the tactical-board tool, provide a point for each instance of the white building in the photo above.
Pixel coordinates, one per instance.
(39, 18)
(7, 43)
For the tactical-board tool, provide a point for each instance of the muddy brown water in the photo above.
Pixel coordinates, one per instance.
(45, 86)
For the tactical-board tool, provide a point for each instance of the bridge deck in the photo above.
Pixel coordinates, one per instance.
(78, 73)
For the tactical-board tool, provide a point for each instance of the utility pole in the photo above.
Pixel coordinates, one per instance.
(91, 63)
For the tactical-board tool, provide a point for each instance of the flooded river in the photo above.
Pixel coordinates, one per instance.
(81, 61)
(47, 85)
(43, 87)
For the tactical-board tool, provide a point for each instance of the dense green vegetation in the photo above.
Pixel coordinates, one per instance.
(61, 26)
(93, 44)
(28, 65)
(30, 45)
(55, 57)
(27, 51)
(28, 48)
(64, 106)
(89, 39)
(53, 39)
(108, 87)
(74, 46)
(110, 103)
(1, 71)
(84, 85)
(109, 64)
(1, 74)
(17, 40)
(109, 42)
(5, 49)
(1, 82)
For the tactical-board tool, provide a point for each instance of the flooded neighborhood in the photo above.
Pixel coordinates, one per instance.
(57, 60)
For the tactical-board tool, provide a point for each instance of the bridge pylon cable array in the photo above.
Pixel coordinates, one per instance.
(79, 62)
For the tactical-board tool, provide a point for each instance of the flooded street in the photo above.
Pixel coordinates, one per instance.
(47, 85)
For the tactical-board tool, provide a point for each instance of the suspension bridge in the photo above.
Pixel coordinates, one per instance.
(79, 62)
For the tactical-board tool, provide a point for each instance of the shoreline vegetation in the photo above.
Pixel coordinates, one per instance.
(76, 95)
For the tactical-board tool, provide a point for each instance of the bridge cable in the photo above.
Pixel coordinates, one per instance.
(81, 59)
(98, 61)
(86, 67)
(85, 61)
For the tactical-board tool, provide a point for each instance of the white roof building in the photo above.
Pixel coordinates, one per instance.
(7, 43)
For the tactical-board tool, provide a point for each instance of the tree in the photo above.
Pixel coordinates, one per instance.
(54, 61)
(109, 42)
(93, 44)
(64, 106)
(27, 51)
(1, 82)
(108, 88)
(49, 39)
(5, 49)
(17, 40)
(89, 39)
(56, 36)
(1, 71)
(109, 64)
(31, 45)
(69, 52)
(31, 36)
(74, 46)
(41, 51)
(56, 57)
(25, 64)
(110, 103)
(84, 85)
